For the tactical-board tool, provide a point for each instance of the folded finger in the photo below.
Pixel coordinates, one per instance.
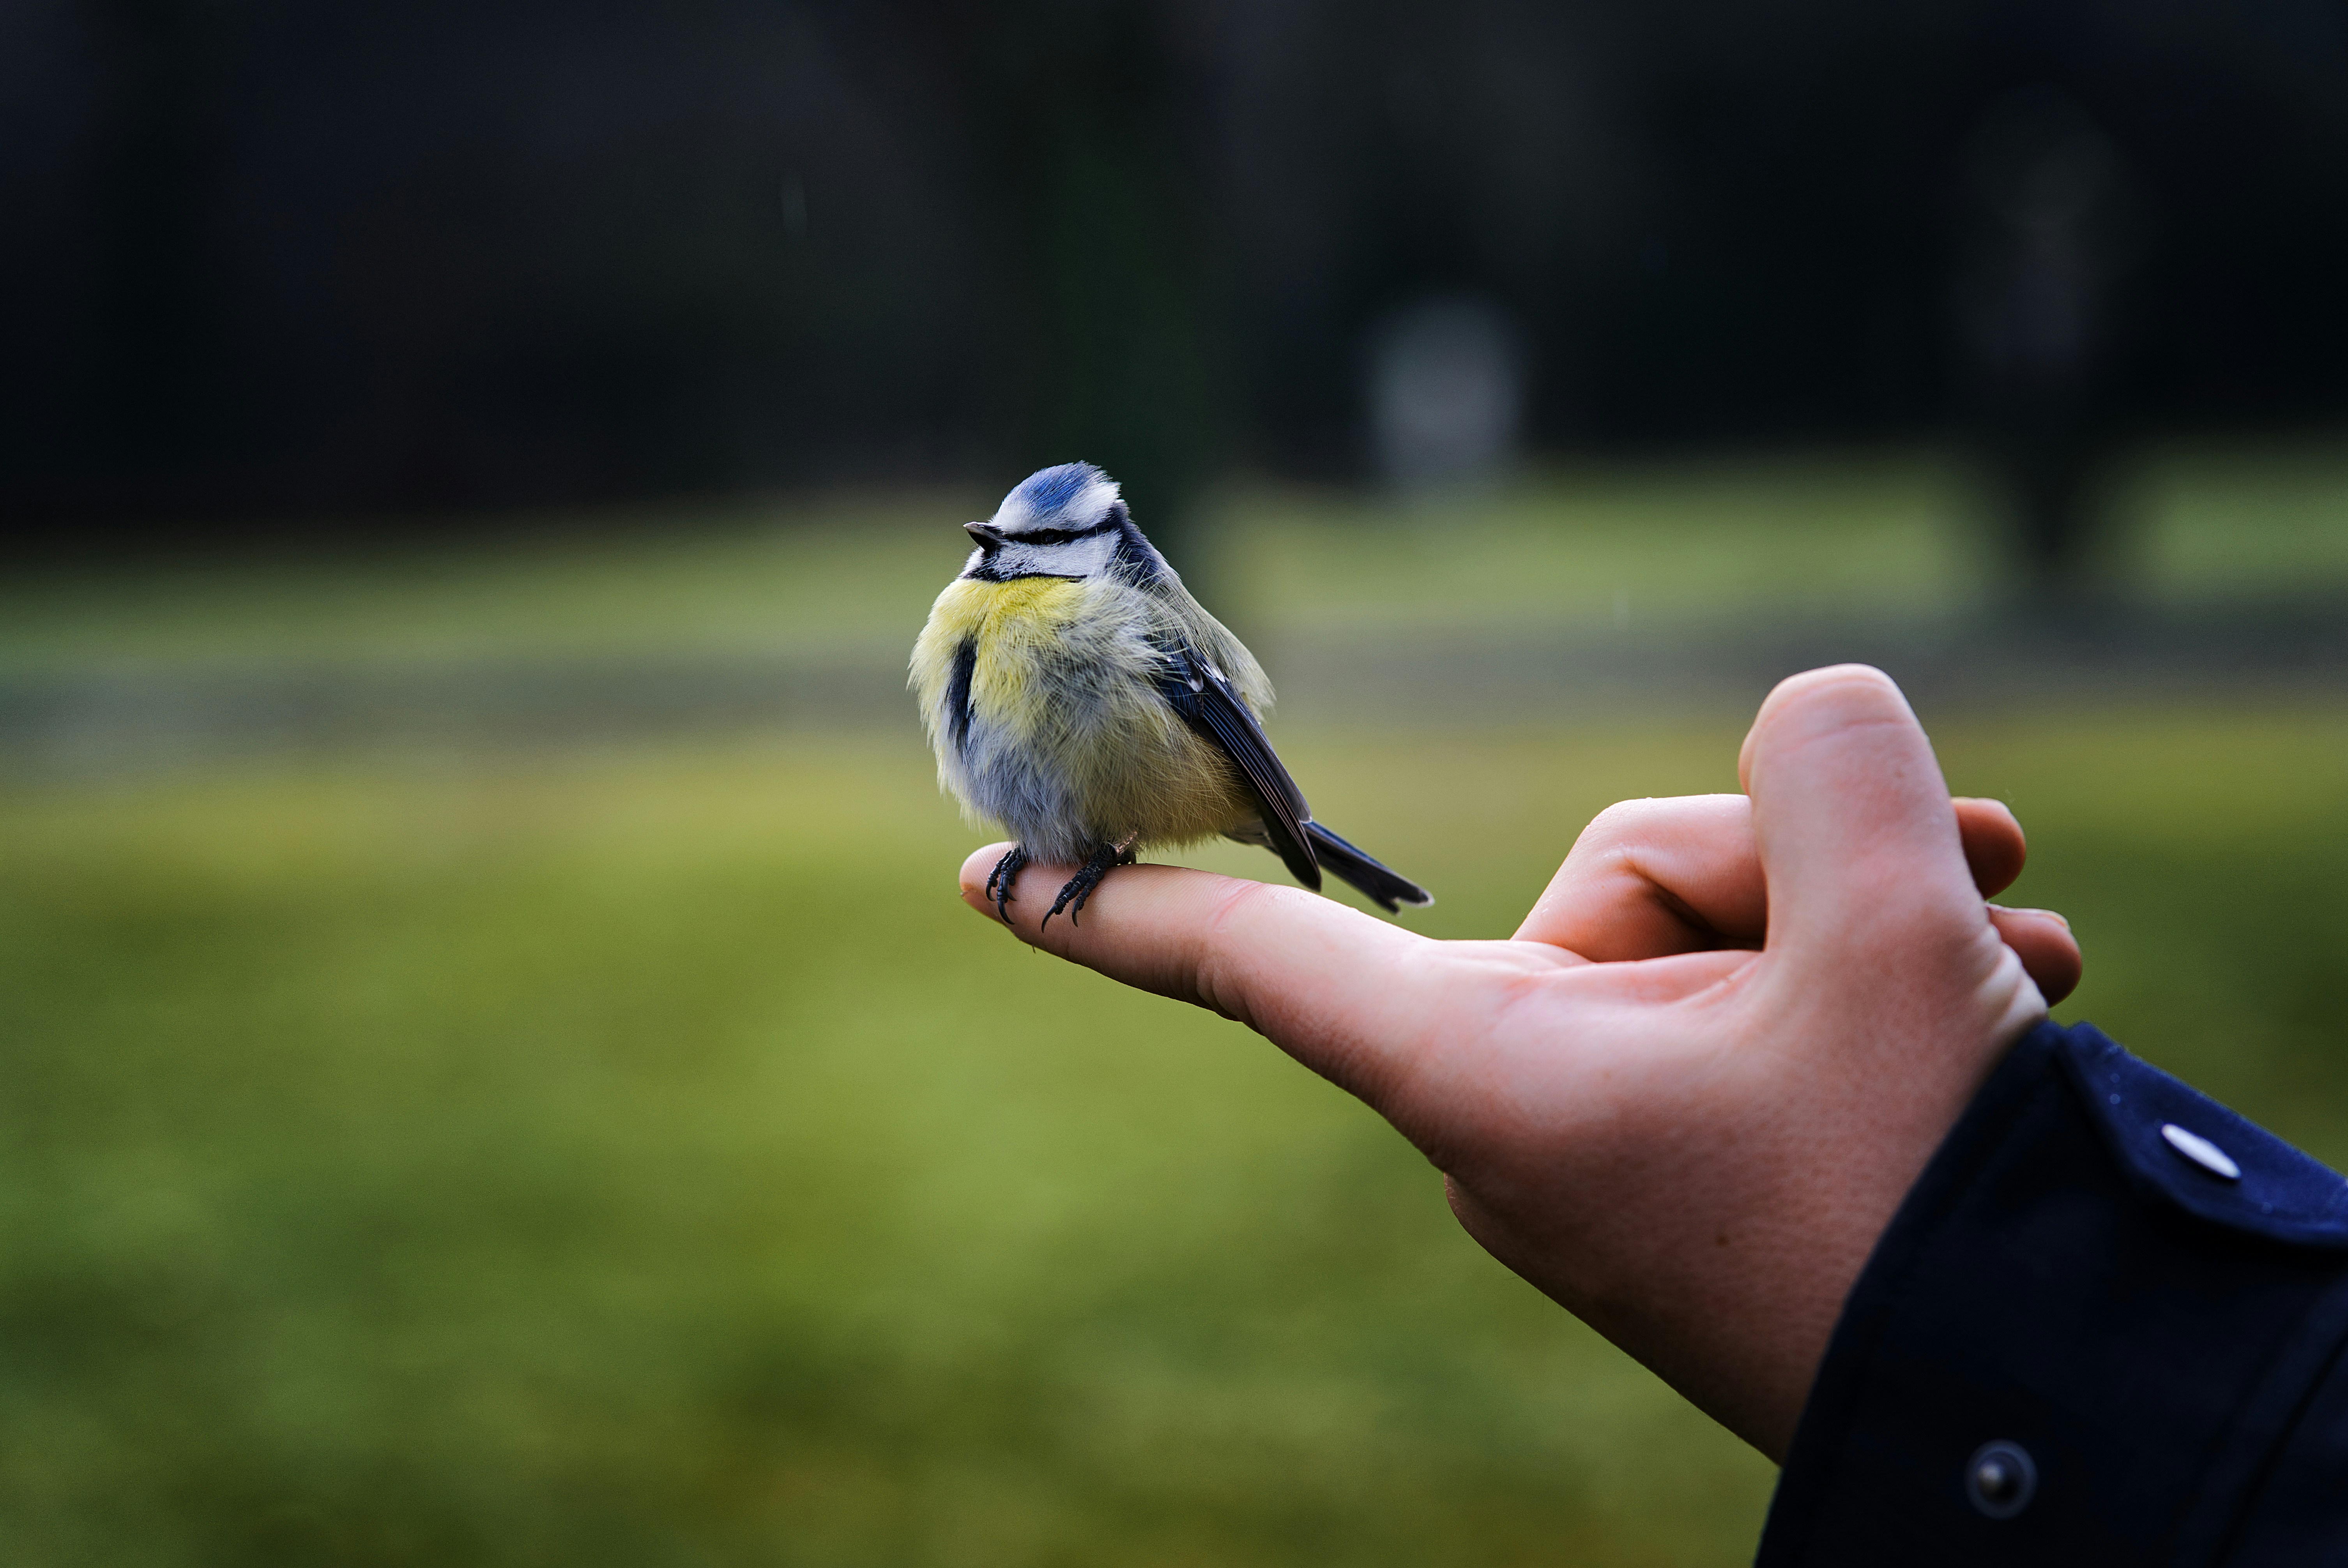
(2042, 940)
(1993, 842)
(1649, 878)
(1856, 830)
(1678, 874)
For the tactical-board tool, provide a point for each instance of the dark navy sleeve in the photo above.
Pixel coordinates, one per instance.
(2104, 1327)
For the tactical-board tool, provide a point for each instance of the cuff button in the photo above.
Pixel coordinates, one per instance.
(2201, 1152)
(2000, 1479)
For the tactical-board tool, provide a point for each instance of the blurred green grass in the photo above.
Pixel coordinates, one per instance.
(641, 1157)
(644, 1159)
(1894, 535)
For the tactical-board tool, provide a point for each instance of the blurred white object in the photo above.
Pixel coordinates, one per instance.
(1447, 391)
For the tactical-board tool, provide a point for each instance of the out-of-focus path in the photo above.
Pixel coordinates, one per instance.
(66, 723)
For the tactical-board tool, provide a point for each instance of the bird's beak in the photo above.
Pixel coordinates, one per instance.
(987, 537)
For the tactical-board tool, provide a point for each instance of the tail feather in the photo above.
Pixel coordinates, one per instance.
(1388, 889)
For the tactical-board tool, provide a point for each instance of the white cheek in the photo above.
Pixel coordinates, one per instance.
(1091, 555)
(1077, 557)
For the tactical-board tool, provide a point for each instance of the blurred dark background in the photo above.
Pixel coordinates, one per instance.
(278, 267)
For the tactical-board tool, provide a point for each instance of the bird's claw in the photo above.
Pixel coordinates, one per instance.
(1104, 859)
(999, 880)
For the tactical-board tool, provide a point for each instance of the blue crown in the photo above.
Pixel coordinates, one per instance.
(1049, 491)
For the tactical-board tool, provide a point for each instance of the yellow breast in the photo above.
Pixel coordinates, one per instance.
(1065, 738)
(1007, 624)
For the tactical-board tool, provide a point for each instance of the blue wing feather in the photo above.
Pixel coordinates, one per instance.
(1215, 711)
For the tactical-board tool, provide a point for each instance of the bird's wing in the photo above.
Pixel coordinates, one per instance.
(1213, 708)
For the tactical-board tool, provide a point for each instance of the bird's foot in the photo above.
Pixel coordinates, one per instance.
(1105, 858)
(999, 880)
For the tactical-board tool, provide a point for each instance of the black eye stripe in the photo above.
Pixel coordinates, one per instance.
(1061, 535)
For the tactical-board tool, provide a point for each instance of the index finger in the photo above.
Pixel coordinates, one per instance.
(1350, 997)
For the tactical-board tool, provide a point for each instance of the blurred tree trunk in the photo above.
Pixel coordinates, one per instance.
(2046, 215)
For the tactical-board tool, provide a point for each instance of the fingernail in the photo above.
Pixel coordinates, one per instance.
(2050, 913)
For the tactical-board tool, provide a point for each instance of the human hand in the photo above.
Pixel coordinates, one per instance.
(1686, 1098)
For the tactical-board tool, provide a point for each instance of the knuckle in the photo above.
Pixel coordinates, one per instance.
(1831, 677)
(1822, 705)
(1623, 822)
(1837, 696)
(1217, 981)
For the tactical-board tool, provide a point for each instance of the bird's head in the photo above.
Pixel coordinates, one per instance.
(1065, 521)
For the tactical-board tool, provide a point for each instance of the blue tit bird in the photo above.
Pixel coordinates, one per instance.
(1078, 695)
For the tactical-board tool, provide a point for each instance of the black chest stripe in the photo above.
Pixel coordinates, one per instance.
(966, 662)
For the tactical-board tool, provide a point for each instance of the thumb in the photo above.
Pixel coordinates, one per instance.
(1857, 840)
